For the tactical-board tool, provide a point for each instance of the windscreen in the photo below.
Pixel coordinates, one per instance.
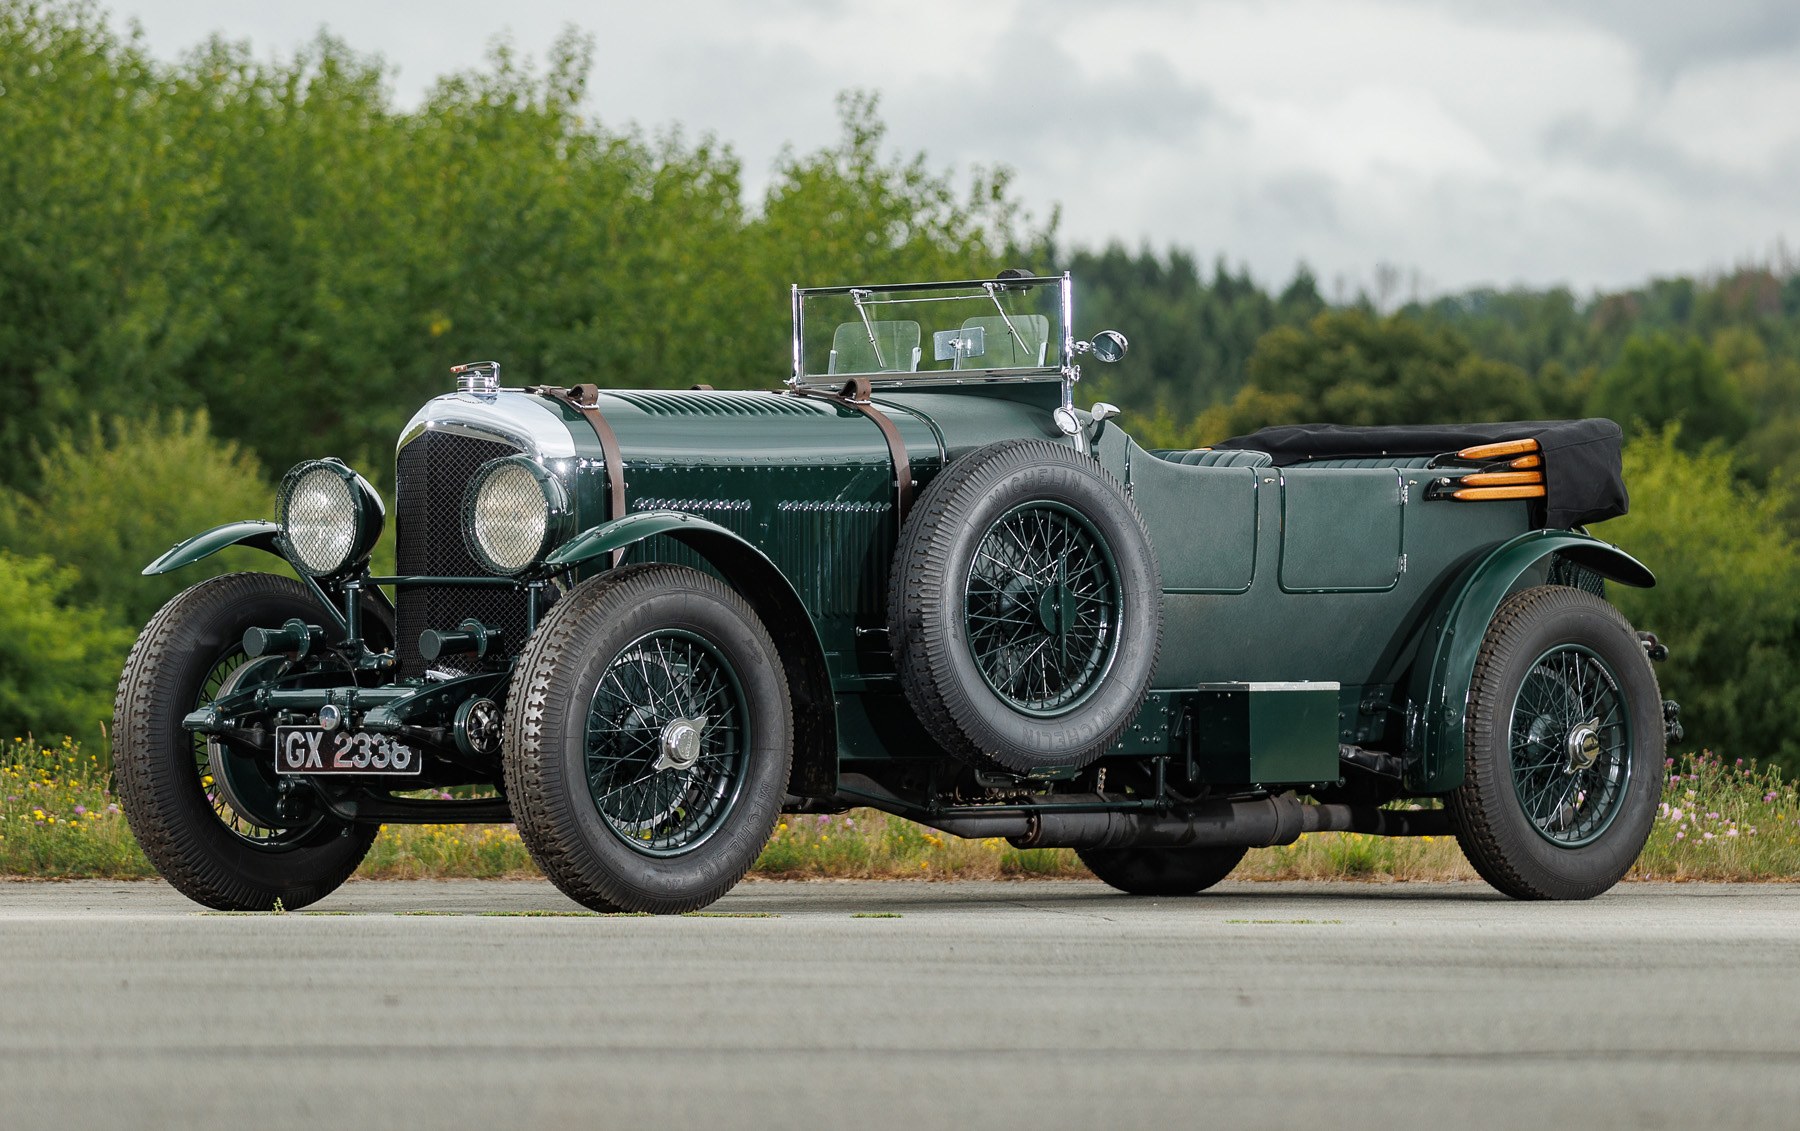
(931, 332)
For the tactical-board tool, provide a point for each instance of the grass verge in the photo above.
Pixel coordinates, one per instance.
(1717, 821)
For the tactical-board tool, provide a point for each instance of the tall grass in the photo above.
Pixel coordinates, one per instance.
(1717, 821)
(58, 817)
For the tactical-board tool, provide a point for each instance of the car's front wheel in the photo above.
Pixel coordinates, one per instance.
(1564, 748)
(209, 814)
(648, 740)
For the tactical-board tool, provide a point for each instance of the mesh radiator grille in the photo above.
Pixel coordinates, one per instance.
(431, 475)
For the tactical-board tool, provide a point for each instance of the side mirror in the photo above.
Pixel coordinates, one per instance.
(1109, 346)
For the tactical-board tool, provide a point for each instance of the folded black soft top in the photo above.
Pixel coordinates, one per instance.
(1583, 479)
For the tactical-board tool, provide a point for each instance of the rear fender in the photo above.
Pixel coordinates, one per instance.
(1438, 692)
(756, 579)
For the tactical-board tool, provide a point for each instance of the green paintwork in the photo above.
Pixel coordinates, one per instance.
(1215, 556)
(622, 532)
(1342, 532)
(1440, 681)
(718, 548)
(1349, 631)
(1265, 733)
(253, 532)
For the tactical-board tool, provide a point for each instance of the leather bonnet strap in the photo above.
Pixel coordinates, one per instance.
(584, 399)
(855, 396)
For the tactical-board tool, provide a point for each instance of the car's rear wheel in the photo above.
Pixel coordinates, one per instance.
(1025, 611)
(648, 740)
(208, 814)
(1161, 871)
(1564, 748)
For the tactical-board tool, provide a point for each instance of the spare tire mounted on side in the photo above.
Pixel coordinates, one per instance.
(1025, 609)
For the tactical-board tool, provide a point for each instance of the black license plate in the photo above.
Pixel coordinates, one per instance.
(315, 750)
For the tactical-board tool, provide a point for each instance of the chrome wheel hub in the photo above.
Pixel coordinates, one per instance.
(679, 746)
(1583, 746)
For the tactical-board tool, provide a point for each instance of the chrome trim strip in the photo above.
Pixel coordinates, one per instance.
(799, 315)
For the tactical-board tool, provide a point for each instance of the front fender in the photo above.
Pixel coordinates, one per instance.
(760, 582)
(259, 533)
(597, 541)
(1439, 687)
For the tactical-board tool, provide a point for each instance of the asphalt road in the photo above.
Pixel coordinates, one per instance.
(918, 1006)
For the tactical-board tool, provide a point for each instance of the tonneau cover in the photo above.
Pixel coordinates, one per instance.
(1583, 479)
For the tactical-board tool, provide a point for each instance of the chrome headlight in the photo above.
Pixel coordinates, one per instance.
(514, 514)
(330, 517)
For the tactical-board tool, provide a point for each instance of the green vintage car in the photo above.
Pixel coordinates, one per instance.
(643, 624)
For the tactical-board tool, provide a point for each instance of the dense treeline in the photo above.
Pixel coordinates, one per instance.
(213, 267)
(1224, 355)
(279, 244)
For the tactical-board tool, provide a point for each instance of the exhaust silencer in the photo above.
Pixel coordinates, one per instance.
(1257, 823)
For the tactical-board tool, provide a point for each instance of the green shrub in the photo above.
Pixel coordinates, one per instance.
(1727, 598)
(58, 661)
(112, 496)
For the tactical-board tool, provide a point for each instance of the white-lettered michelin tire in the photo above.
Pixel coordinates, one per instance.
(1025, 609)
(168, 779)
(648, 739)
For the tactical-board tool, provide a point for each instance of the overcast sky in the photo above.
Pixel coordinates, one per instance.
(1589, 142)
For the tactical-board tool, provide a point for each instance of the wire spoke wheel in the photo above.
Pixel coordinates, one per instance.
(1570, 741)
(241, 789)
(1042, 607)
(1562, 748)
(649, 739)
(1025, 608)
(667, 728)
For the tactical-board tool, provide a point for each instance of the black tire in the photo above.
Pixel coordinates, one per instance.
(1553, 806)
(582, 717)
(209, 851)
(951, 597)
(1161, 871)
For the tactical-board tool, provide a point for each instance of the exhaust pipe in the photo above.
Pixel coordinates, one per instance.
(1255, 824)
(1258, 823)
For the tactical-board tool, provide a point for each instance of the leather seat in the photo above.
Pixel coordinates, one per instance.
(1214, 457)
(1400, 462)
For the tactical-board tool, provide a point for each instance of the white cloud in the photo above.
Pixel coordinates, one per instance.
(1539, 142)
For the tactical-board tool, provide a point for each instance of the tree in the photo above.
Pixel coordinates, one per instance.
(1661, 379)
(112, 496)
(1351, 367)
(1191, 336)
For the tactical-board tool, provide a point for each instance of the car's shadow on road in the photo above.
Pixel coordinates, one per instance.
(1083, 898)
(1254, 900)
